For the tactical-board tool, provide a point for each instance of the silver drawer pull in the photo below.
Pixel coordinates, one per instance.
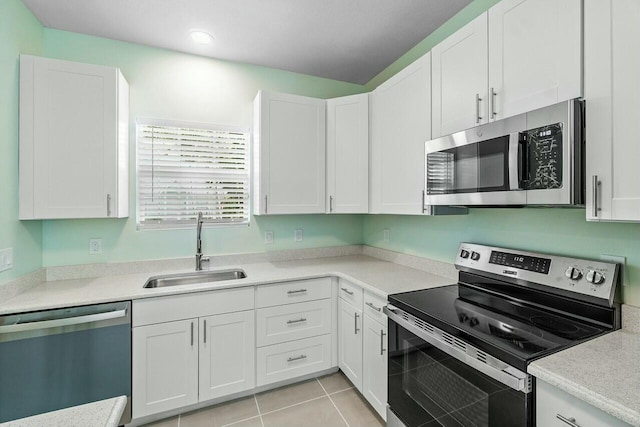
(370, 304)
(347, 291)
(302, 319)
(571, 421)
(293, 359)
(297, 291)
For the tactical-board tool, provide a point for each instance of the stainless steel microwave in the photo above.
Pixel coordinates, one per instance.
(536, 158)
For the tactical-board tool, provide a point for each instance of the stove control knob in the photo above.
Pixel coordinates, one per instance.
(473, 321)
(464, 254)
(475, 256)
(463, 317)
(595, 277)
(573, 273)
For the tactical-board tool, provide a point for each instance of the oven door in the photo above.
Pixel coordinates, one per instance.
(431, 385)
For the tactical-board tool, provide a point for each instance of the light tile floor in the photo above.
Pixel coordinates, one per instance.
(329, 401)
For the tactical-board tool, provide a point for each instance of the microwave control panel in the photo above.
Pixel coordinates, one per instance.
(544, 157)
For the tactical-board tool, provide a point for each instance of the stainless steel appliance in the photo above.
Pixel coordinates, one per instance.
(458, 354)
(535, 159)
(59, 358)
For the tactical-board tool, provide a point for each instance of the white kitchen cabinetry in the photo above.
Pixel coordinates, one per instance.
(460, 65)
(611, 70)
(535, 55)
(401, 123)
(374, 354)
(289, 154)
(348, 154)
(74, 137)
(191, 348)
(350, 342)
(555, 408)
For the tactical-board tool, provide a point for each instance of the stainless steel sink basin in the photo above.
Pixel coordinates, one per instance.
(194, 278)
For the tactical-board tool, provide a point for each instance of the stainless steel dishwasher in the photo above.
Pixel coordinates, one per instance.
(59, 358)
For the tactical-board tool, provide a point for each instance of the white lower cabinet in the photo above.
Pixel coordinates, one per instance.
(227, 355)
(350, 342)
(374, 365)
(555, 408)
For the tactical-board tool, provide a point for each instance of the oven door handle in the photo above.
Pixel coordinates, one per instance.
(493, 368)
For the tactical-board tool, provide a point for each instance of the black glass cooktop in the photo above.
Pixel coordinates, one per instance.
(507, 329)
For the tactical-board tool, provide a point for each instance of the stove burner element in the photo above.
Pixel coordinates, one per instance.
(554, 324)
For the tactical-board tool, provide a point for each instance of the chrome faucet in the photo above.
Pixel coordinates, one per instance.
(199, 258)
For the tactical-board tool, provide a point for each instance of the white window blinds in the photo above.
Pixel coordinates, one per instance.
(185, 168)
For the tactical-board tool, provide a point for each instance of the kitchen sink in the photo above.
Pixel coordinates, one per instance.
(194, 278)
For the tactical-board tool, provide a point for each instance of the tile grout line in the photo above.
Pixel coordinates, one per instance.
(259, 412)
(295, 404)
(333, 403)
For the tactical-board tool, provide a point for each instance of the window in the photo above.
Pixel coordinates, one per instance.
(186, 168)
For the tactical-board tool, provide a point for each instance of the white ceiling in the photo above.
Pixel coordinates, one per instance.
(347, 40)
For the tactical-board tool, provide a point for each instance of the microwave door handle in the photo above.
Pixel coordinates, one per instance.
(523, 161)
(515, 162)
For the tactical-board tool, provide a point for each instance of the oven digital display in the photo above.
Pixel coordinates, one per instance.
(522, 262)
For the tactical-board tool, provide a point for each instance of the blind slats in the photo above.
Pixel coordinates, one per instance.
(186, 170)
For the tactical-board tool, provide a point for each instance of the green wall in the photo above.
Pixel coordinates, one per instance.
(20, 32)
(172, 85)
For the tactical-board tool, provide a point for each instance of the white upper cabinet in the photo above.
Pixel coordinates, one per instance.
(460, 79)
(401, 123)
(74, 137)
(535, 55)
(348, 154)
(289, 154)
(612, 95)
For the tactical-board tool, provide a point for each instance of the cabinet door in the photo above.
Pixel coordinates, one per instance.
(164, 367)
(350, 343)
(227, 354)
(401, 111)
(534, 55)
(611, 70)
(69, 139)
(289, 145)
(374, 372)
(348, 154)
(460, 66)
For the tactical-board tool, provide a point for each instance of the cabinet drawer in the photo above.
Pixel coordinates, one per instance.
(373, 307)
(553, 403)
(350, 293)
(292, 292)
(293, 321)
(292, 359)
(185, 306)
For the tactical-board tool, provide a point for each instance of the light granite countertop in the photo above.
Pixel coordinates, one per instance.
(603, 372)
(378, 276)
(103, 413)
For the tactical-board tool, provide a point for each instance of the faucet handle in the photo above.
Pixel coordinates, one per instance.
(205, 259)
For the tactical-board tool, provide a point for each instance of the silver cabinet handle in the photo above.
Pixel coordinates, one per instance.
(355, 322)
(191, 334)
(571, 421)
(382, 335)
(423, 196)
(205, 332)
(302, 319)
(492, 103)
(293, 359)
(297, 291)
(347, 291)
(595, 184)
(57, 323)
(478, 100)
(370, 304)
(108, 204)
(330, 204)
(265, 203)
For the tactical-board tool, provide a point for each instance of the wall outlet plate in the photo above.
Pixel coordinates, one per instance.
(386, 234)
(620, 260)
(268, 237)
(297, 236)
(6, 259)
(95, 246)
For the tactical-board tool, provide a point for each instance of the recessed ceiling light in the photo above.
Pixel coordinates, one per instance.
(201, 37)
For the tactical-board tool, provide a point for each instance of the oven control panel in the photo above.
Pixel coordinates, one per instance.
(596, 279)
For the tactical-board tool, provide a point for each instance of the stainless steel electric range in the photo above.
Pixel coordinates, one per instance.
(458, 354)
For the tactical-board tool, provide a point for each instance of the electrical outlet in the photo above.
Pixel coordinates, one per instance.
(297, 237)
(268, 237)
(620, 260)
(95, 246)
(386, 235)
(6, 259)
